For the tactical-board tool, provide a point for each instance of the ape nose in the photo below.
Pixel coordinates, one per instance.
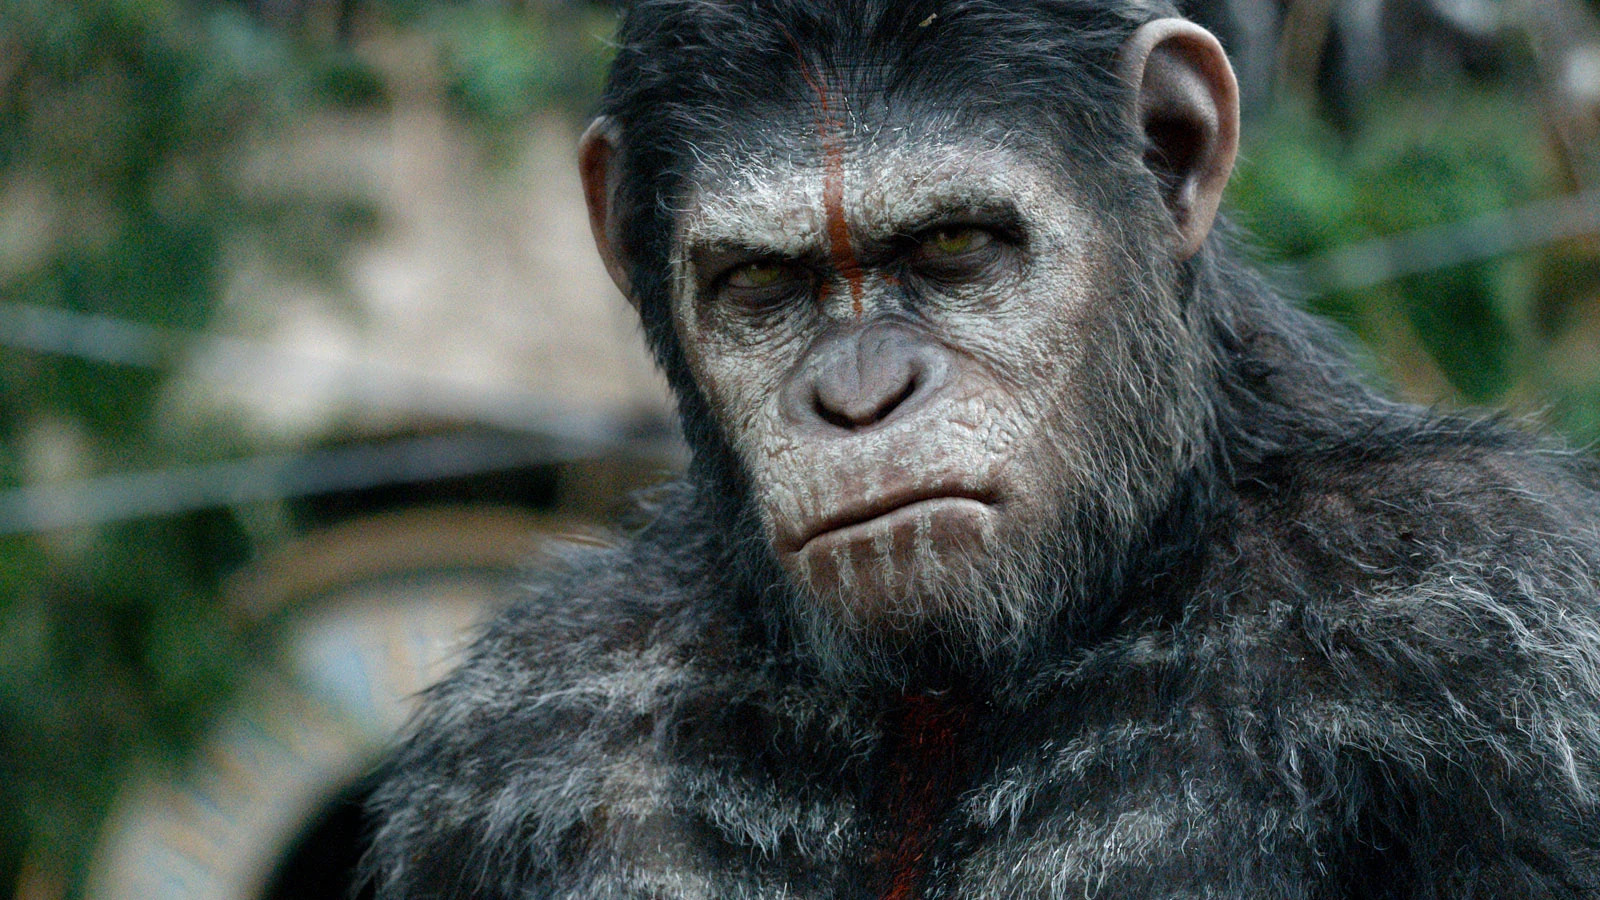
(861, 379)
(866, 399)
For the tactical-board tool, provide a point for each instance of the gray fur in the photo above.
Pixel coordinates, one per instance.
(1285, 640)
(1399, 657)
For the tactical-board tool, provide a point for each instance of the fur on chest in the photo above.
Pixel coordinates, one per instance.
(917, 803)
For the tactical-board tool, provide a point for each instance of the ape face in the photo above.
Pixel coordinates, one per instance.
(909, 350)
(956, 371)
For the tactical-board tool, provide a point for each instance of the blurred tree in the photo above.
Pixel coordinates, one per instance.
(1421, 159)
(501, 65)
(126, 133)
(1489, 310)
(123, 128)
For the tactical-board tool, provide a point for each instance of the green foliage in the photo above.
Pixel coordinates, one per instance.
(346, 79)
(1417, 157)
(124, 125)
(127, 128)
(502, 64)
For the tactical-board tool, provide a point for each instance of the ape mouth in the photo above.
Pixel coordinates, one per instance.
(892, 505)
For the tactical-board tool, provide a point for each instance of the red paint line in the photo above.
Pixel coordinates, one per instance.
(841, 243)
(925, 773)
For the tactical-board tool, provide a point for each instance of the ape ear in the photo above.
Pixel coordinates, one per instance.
(1187, 108)
(598, 153)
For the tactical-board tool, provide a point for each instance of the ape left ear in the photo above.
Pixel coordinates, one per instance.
(1187, 107)
(598, 152)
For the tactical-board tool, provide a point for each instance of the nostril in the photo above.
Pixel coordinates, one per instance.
(894, 402)
(863, 413)
(861, 378)
(829, 415)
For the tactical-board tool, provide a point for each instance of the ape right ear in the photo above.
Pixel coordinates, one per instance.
(598, 152)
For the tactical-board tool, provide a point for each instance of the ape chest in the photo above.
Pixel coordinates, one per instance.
(945, 818)
(936, 808)
(926, 764)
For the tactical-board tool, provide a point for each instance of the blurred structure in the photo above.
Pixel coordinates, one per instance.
(1345, 49)
(480, 304)
(374, 611)
(1427, 173)
(308, 355)
(479, 301)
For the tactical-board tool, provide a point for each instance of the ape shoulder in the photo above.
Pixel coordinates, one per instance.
(1410, 617)
(541, 730)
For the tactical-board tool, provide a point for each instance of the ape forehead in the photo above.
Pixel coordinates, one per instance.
(777, 200)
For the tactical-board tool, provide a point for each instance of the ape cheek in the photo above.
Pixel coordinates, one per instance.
(744, 390)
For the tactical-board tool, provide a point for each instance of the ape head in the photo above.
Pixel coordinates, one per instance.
(922, 275)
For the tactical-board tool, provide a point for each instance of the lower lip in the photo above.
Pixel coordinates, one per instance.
(936, 511)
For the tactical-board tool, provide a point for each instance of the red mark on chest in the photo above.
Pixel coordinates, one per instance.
(830, 134)
(925, 773)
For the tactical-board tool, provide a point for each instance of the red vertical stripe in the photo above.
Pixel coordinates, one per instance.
(925, 774)
(830, 134)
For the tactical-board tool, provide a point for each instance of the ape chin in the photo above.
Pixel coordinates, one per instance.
(924, 600)
(1031, 546)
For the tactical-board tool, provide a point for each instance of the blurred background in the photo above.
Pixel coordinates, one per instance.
(305, 356)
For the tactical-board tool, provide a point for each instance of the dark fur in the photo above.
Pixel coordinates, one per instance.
(1355, 654)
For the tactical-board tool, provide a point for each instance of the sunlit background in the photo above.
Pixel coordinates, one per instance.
(305, 358)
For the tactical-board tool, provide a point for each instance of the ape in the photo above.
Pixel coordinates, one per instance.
(1031, 548)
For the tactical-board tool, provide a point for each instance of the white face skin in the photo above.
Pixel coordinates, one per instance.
(970, 264)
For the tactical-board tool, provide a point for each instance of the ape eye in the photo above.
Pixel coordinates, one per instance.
(947, 242)
(760, 276)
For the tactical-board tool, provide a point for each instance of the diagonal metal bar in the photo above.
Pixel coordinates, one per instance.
(361, 384)
(1369, 263)
(112, 498)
